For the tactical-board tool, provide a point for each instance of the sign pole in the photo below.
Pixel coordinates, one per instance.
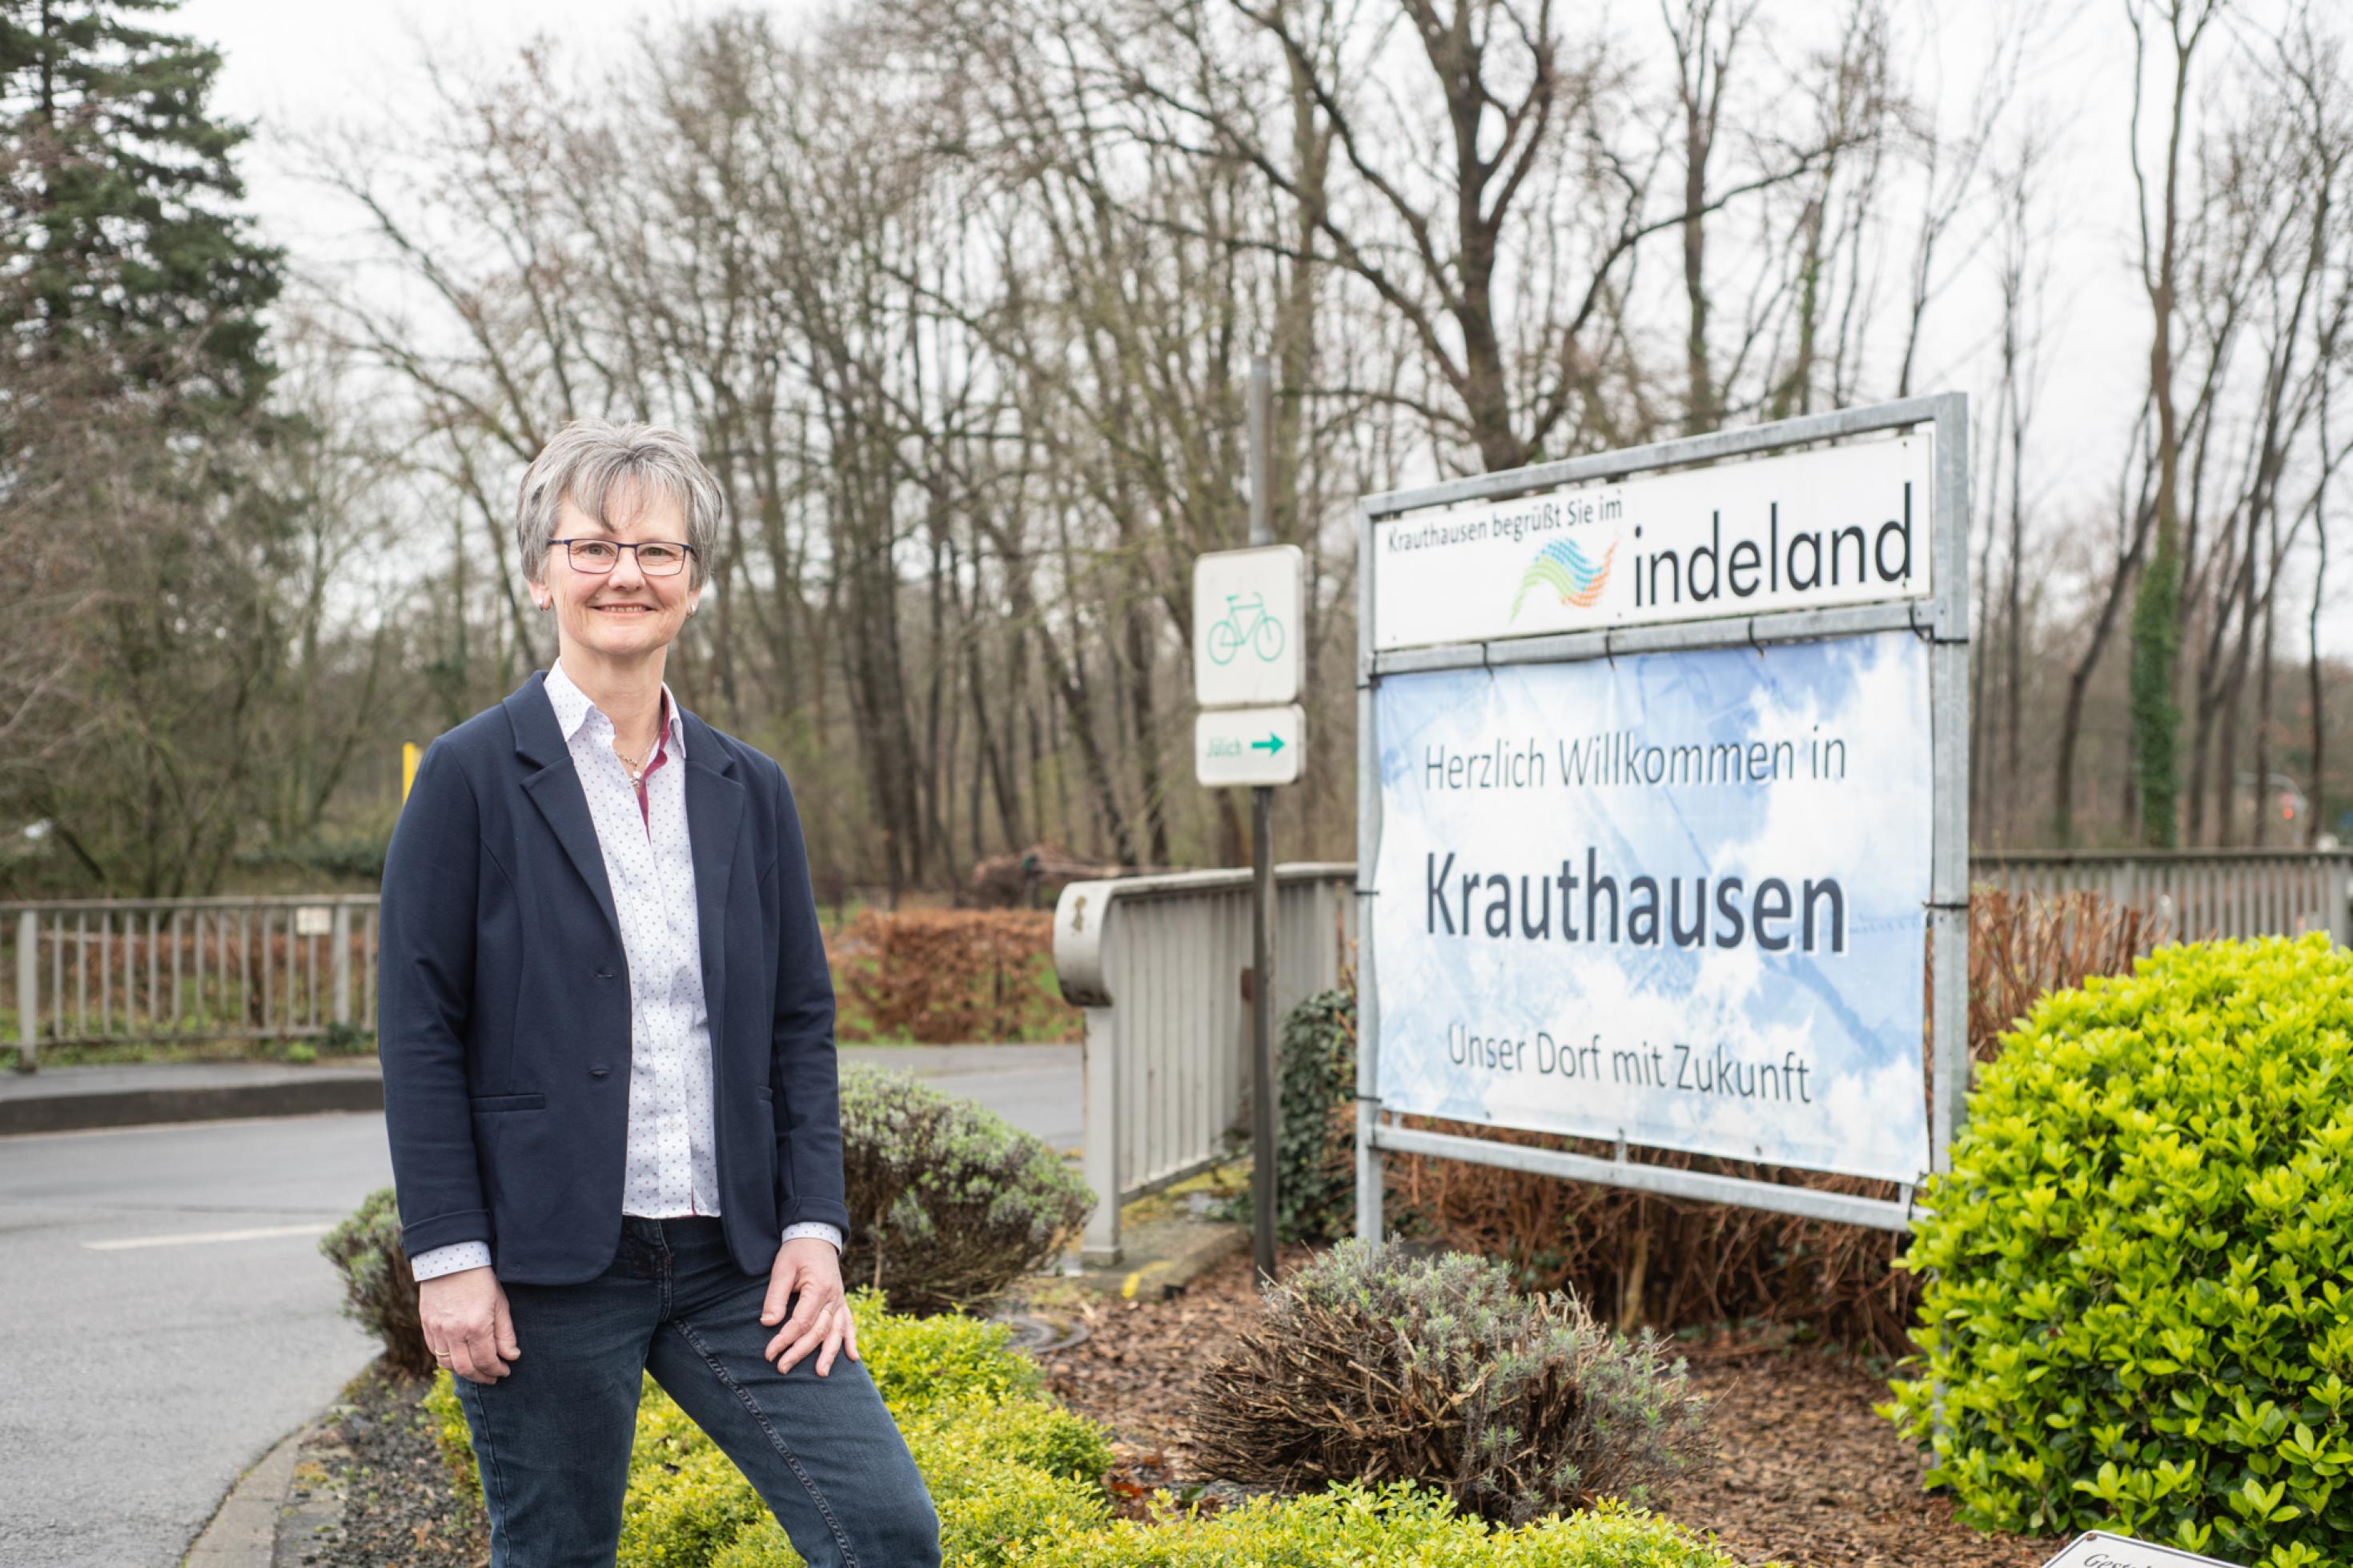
(1266, 1117)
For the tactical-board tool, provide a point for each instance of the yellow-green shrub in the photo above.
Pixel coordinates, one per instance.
(684, 1508)
(991, 1507)
(1002, 1461)
(999, 1471)
(915, 1361)
(1018, 1483)
(2136, 1315)
(1028, 1430)
(450, 1436)
(1393, 1526)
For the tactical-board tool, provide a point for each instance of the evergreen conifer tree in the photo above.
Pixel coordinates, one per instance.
(136, 424)
(123, 251)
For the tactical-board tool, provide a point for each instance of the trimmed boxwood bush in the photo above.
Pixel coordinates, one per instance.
(949, 1203)
(2137, 1314)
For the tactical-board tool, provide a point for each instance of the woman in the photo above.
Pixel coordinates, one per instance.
(607, 1038)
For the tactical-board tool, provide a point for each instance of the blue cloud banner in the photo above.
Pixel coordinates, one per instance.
(1678, 899)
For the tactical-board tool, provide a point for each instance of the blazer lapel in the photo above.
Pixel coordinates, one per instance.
(714, 816)
(555, 789)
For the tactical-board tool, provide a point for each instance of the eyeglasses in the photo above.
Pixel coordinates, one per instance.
(656, 557)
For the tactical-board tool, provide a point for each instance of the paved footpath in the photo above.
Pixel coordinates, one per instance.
(169, 1318)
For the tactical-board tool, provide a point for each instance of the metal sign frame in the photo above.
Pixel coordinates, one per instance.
(1942, 619)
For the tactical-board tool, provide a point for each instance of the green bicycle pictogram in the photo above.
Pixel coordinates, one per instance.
(1245, 622)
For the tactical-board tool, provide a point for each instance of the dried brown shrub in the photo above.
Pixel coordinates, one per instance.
(1674, 1263)
(2022, 947)
(1377, 1365)
(948, 976)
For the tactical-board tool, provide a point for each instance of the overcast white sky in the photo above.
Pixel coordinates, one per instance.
(295, 64)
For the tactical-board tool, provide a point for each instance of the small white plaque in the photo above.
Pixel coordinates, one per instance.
(1248, 745)
(1246, 606)
(314, 919)
(2101, 1549)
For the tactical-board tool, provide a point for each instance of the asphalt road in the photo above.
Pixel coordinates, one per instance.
(171, 1319)
(169, 1316)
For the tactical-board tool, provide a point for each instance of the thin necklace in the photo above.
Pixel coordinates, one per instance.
(634, 765)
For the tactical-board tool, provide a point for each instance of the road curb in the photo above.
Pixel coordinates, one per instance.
(243, 1532)
(134, 1108)
(297, 1092)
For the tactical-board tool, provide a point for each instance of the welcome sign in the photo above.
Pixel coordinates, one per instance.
(1798, 530)
(1675, 898)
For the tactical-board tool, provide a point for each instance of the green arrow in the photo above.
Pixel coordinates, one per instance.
(1272, 744)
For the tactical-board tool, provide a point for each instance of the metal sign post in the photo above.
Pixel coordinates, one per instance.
(1265, 1094)
(1250, 731)
(1707, 655)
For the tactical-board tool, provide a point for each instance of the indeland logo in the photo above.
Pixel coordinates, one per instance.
(1562, 567)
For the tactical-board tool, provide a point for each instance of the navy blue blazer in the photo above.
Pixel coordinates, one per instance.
(502, 1004)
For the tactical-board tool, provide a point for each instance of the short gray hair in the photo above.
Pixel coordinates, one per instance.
(592, 463)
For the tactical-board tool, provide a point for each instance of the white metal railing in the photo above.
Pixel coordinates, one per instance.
(95, 970)
(2198, 893)
(1159, 963)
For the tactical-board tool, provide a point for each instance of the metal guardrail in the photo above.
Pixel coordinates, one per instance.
(2198, 893)
(106, 970)
(1159, 963)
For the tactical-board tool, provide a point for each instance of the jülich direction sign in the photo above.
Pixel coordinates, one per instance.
(1673, 898)
(1800, 531)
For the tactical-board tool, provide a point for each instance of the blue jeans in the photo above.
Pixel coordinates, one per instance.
(552, 1437)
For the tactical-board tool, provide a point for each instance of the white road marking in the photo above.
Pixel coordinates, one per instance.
(201, 1238)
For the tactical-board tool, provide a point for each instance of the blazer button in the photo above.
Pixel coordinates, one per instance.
(604, 975)
(598, 1072)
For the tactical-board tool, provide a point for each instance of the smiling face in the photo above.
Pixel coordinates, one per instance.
(622, 615)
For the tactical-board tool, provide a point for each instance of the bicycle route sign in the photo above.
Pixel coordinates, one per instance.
(1247, 606)
(1246, 627)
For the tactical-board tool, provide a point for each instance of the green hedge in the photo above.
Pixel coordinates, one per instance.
(1316, 1191)
(2135, 1310)
(1018, 1483)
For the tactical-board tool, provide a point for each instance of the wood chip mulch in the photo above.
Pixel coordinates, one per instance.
(1808, 1474)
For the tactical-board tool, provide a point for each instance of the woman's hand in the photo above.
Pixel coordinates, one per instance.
(467, 1326)
(808, 1267)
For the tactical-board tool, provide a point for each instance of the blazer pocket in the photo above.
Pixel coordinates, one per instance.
(764, 1090)
(507, 1102)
